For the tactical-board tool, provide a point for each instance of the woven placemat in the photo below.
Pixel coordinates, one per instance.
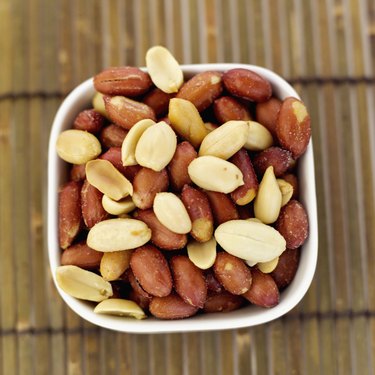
(325, 48)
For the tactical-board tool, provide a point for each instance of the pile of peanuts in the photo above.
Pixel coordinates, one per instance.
(183, 193)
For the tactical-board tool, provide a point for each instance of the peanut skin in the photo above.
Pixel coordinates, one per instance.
(200, 213)
(70, 215)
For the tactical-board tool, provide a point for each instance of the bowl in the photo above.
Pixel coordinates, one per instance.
(79, 99)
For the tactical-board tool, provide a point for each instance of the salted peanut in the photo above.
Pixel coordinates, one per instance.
(213, 285)
(258, 138)
(178, 167)
(120, 307)
(98, 104)
(172, 213)
(210, 126)
(286, 268)
(263, 291)
(293, 180)
(146, 184)
(161, 236)
(131, 140)
(202, 89)
(70, 214)
(250, 240)
(164, 70)
(215, 174)
(83, 284)
(247, 84)
(156, 146)
(186, 121)
(189, 282)
(171, 307)
(266, 113)
(268, 267)
(293, 224)
(223, 302)
(223, 208)
(112, 136)
(203, 255)
(226, 140)
(122, 80)
(232, 273)
(89, 120)
(280, 159)
(77, 146)
(137, 294)
(106, 178)
(118, 234)
(91, 203)
(126, 112)
(114, 264)
(82, 256)
(151, 269)
(286, 191)
(228, 108)
(123, 206)
(200, 213)
(246, 193)
(78, 172)
(158, 100)
(267, 203)
(293, 128)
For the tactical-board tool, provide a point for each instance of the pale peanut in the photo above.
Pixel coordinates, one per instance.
(131, 140)
(186, 121)
(156, 146)
(172, 213)
(258, 137)
(249, 240)
(114, 263)
(83, 284)
(123, 206)
(226, 140)
(202, 254)
(164, 70)
(106, 178)
(120, 307)
(267, 203)
(212, 173)
(118, 234)
(77, 146)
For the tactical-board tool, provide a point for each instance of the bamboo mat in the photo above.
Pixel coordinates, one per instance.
(325, 48)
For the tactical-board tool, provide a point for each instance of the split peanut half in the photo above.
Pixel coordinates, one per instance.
(164, 70)
(83, 284)
(107, 179)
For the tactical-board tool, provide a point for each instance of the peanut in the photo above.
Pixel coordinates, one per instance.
(156, 146)
(172, 213)
(226, 140)
(212, 173)
(120, 307)
(164, 70)
(118, 234)
(77, 146)
(106, 178)
(83, 284)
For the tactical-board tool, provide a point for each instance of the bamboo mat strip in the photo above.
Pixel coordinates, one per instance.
(325, 48)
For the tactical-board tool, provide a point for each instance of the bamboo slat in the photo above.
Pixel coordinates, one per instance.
(325, 48)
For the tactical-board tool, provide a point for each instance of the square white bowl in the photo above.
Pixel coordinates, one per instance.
(80, 98)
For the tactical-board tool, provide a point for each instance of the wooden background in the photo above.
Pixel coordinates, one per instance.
(325, 48)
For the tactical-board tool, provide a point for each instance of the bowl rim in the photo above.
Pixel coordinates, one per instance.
(78, 99)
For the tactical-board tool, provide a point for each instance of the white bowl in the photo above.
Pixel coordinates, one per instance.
(79, 99)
